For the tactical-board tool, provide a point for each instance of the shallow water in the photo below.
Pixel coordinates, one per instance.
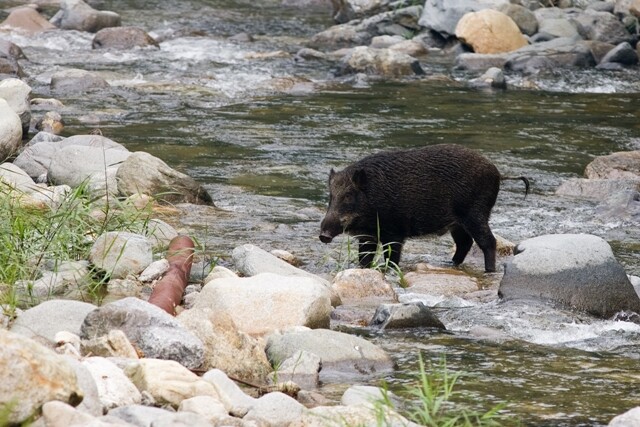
(262, 134)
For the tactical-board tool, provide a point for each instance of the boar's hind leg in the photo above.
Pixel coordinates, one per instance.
(481, 233)
(463, 241)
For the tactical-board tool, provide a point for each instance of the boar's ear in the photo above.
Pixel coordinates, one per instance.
(359, 179)
(331, 174)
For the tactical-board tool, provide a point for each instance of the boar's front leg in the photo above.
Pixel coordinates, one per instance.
(481, 233)
(367, 251)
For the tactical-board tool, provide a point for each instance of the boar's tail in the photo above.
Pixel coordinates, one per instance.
(523, 179)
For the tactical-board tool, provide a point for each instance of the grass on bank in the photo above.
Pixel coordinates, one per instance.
(33, 236)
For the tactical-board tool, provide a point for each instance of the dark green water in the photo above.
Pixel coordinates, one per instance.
(261, 135)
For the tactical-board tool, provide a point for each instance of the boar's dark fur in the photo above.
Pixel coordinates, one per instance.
(390, 196)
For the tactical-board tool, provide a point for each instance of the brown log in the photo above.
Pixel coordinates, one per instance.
(168, 291)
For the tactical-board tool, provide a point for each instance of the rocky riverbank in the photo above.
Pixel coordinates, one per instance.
(264, 322)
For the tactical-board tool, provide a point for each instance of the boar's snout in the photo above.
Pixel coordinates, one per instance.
(325, 237)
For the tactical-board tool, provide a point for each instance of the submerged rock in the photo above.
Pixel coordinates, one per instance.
(122, 38)
(409, 315)
(73, 81)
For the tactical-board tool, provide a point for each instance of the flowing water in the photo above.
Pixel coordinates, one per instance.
(262, 133)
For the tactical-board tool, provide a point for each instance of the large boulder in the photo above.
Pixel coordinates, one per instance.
(620, 165)
(490, 31)
(523, 17)
(602, 26)
(597, 189)
(562, 52)
(10, 130)
(154, 332)
(77, 15)
(577, 271)
(143, 173)
(442, 16)
(32, 375)
(277, 302)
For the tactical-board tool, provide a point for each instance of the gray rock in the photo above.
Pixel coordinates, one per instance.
(11, 50)
(360, 395)
(74, 165)
(114, 388)
(160, 233)
(558, 28)
(91, 402)
(301, 368)
(75, 81)
(77, 15)
(620, 206)
(153, 331)
(338, 351)
(577, 271)
(50, 317)
(17, 178)
(236, 402)
(181, 419)
(37, 375)
(557, 53)
(492, 78)
(122, 38)
(523, 17)
(275, 409)
(349, 10)
(70, 277)
(139, 415)
(480, 61)
(146, 174)
(410, 315)
(602, 26)
(16, 93)
(10, 67)
(120, 253)
(623, 54)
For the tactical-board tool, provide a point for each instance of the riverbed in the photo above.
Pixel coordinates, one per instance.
(261, 130)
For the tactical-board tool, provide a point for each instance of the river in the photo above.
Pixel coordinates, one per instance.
(262, 134)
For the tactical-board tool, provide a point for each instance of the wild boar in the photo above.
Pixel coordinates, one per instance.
(390, 196)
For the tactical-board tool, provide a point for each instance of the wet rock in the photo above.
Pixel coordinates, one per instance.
(489, 31)
(623, 54)
(75, 165)
(348, 10)
(121, 253)
(10, 130)
(236, 402)
(338, 351)
(523, 17)
(122, 38)
(440, 282)
(597, 189)
(385, 62)
(146, 174)
(51, 123)
(620, 165)
(11, 50)
(577, 271)
(38, 375)
(16, 93)
(361, 283)
(149, 328)
(168, 382)
(493, 78)
(225, 347)
(480, 62)
(73, 81)
(242, 37)
(556, 53)
(77, 15)
(292, 301)
(275, 409)
(628, 419)
(409, 315)
(602, 26)
(28, 20)
(50, 317)
(302, 368)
